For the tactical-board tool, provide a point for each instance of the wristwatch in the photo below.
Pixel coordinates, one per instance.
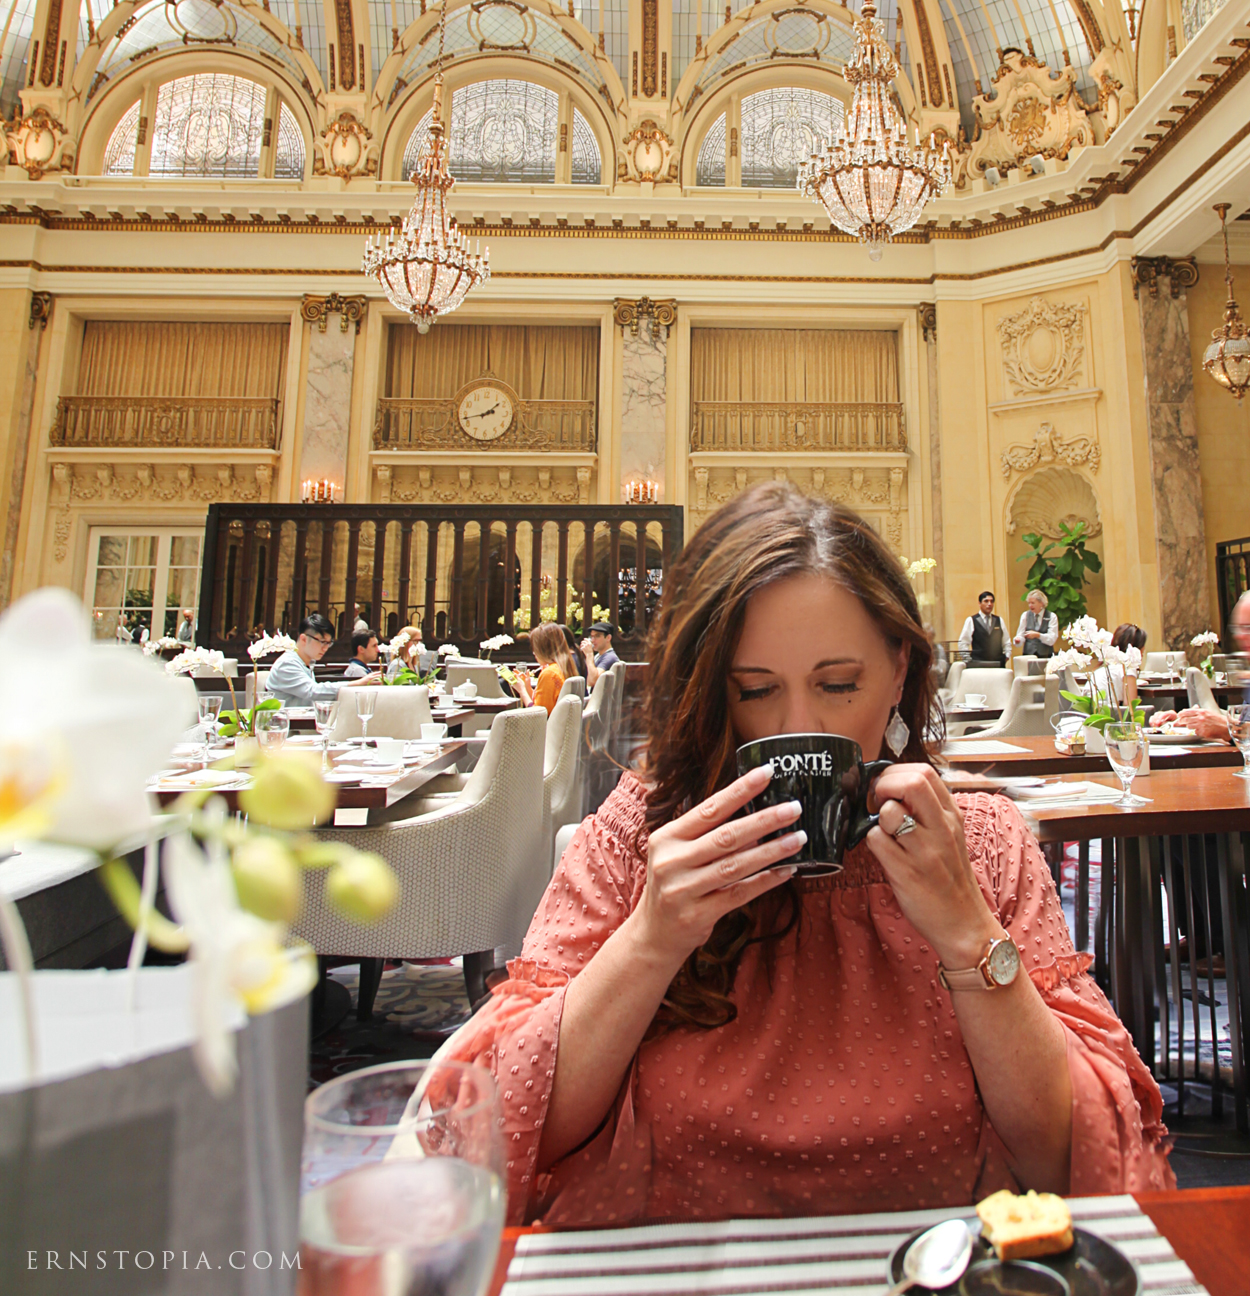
(998, 968)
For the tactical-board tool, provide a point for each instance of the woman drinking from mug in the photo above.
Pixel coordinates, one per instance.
(693, 1030)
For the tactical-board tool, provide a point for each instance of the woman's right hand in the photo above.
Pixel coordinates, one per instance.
(707, 863)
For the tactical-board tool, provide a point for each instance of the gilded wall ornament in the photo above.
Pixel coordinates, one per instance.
(1043, 345)
(39, 144)
(1147, 271)
(647, 151)
(1048, 448)
(1030, 111)
(627, 313)
(40, 310)
(317, 310)
(1049, 499)
(345, 149)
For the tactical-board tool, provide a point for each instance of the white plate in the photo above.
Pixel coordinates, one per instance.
(341, 776)
(1173, 736)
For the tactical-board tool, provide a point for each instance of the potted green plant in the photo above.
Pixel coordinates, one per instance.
(1062, 576)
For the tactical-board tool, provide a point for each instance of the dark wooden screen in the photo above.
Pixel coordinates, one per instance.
(455, 570)
(1232, 576)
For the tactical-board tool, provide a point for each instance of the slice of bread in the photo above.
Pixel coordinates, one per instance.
(1022, 1228)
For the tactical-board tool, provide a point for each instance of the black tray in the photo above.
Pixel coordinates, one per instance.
(1090, 1267)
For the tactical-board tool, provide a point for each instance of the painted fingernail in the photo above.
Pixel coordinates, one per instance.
(798, 838)
(767, 768)
(787, 872)
(794, 807)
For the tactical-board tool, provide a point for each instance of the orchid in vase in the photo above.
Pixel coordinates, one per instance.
(84, 728)
(1209, 640)
(1094, 654)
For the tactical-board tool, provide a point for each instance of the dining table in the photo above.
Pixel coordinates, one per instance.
(1184, 1242)
(1181, 808)
(1174, 696)
(303, 719)
(1012, 756)
(968, 714)
(369, 792)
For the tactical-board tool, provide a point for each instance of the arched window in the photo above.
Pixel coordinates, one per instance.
(508, 132)
(780, 128)
(209, 124)
(119, 156)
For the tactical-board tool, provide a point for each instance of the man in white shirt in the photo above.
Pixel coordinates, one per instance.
(186, 627)
(360, 624)
(1038, 629)
(983, 641)
(292, 679)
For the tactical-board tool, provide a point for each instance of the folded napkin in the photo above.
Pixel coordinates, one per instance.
(202, 779)
(1060, 791)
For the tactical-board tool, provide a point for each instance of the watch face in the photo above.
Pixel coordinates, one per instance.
(486, 412)
(1004, 962)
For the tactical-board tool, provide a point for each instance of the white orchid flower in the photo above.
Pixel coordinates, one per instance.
(194, 659)
(83, 725)
(448, 650)
(239, 962)
(1205, 638)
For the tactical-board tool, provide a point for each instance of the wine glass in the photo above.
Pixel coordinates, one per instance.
(402, 1181)
(1239, 731)
(210, 710)
(1170, 658)
(323, 713)
(1126, 750)
(366, 700)
(272, 728)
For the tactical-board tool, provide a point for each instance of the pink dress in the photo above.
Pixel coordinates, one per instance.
(843, 1085)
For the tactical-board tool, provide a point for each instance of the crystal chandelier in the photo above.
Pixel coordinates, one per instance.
(870, 180)
(1227, 359)
(428, 269)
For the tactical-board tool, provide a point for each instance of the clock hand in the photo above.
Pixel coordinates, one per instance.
(484, 413)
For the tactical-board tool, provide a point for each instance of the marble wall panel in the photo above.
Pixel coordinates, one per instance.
(327, 405)
(1175, 474)
(21, 446)
(644, 402)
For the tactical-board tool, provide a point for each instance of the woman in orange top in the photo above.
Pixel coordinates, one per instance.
(690, 1032)
(553, 655)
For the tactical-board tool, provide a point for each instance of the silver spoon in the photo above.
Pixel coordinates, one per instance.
(937, 1257)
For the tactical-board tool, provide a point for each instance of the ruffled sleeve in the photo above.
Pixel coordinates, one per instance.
(516, 1033)
(1119, 1143)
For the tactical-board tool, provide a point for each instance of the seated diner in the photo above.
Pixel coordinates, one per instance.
(695, 1030)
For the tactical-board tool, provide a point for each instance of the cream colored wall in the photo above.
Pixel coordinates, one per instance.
(17, 339)
(1223, 427)
(1097, 431)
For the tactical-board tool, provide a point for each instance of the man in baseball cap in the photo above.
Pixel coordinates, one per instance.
(597, 650)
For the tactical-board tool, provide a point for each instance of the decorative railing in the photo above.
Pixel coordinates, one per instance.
(192, 422)
(407, 423)
(796, 425)
(463, 573)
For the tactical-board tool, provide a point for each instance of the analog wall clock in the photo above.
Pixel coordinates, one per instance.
(486, 409)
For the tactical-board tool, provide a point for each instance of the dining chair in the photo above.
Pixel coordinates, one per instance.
(254, 687)
(563, 767)
(471, 872)
(1030, 665)
(574, 686)
(953, 676)
(995, 682)
(1026, 701)
(399, 711)
(1198, 688)
(594, 712)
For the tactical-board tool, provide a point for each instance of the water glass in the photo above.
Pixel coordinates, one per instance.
(402, 1181)
(272, 728)
(1239, 731)
(1171, 661)
(1126, 750)
(210, 710)
(323, 714)
(366, 700)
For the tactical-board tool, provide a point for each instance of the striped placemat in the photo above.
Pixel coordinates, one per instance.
(801, 1257)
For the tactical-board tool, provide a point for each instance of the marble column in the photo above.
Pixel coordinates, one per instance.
(1175, 475)
(644, 401)
(21, 451)
(928, 321)
(327, 405)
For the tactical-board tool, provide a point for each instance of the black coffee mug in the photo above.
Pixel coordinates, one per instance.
(827, 775)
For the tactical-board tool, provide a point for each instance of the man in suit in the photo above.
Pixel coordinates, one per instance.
(984, 640)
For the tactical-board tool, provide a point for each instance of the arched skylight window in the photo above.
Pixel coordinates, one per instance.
(119, 156)
(508, 132)
(209, 124)
(779, 129)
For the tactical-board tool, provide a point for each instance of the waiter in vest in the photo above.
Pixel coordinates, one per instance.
(983, 640)
(1038, 628)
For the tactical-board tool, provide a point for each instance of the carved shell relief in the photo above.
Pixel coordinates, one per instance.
(1043, 346)
(1050, 497)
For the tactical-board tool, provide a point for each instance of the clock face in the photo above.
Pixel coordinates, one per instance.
(486, 412)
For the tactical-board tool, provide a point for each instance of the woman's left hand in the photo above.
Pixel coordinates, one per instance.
(928, 867)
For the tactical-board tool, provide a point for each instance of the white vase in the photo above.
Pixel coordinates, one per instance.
(1095, 744)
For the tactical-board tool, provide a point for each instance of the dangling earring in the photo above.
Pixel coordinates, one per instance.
(897, 733)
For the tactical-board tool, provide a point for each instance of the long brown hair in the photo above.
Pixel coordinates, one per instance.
(548, 639)
(765, 535)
